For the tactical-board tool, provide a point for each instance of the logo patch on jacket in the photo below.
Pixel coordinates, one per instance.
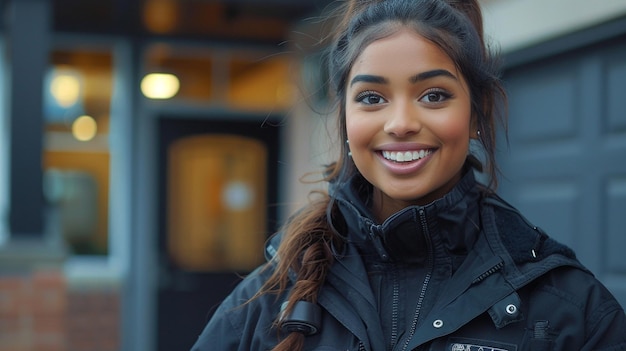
(458, 344)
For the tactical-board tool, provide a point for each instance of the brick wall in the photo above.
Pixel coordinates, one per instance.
(39, 312)
(32, 311)
(93, 320)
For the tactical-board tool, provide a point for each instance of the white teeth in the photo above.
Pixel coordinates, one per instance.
(406, 156)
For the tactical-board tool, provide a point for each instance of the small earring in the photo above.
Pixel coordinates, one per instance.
(478, 134)
(348, 144)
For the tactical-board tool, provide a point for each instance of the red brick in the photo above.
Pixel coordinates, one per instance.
(12, 282)
(14, 295)
(49, 343)
(82, 344)
(93, 320)
(48, 279)
(48, 301)
(9, 326)
(20, 340)
(49, 325)
(32, 312)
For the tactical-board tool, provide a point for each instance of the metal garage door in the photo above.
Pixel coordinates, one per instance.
(565, 168)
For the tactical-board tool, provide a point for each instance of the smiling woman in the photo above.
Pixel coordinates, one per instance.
(407, 250)
(393, 113)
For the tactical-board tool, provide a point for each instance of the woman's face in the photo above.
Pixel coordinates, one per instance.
(408, 120)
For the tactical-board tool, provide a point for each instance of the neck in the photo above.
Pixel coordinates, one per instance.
(384, 206)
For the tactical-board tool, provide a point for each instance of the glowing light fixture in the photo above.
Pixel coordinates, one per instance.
(160, 85)
(161, 16)
(84, 128)
(65, 88)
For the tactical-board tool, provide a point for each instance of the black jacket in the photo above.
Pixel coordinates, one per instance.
(466, 272)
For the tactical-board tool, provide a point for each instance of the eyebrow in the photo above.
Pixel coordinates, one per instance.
(367, 78)
(431, 74)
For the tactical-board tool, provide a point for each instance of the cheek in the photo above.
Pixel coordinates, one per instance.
(356, 129)
(456, 133)
(454, 128)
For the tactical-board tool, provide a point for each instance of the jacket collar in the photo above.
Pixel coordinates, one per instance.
(450, 223)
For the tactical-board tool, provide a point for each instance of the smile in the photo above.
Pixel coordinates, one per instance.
(406, 156)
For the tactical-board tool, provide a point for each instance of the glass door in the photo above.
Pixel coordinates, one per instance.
(216, 191)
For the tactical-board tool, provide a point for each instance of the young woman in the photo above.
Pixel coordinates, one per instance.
(407, 251)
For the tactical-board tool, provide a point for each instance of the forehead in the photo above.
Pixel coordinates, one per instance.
(404, 49)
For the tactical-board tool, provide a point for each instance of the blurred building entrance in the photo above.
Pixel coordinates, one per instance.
(217, 191)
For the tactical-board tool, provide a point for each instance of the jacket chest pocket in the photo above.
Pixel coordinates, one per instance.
(333, 345)
(469, 344)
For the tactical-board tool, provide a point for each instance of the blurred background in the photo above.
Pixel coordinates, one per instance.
(149, 147)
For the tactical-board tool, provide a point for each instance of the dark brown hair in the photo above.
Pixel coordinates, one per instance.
(456, 27)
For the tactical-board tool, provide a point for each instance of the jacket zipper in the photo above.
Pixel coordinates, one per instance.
(377, 240)
(374, 232)
(394, 309)
(489, 272)
(418, 308)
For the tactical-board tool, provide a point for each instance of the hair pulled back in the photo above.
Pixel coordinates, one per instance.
(306, 250)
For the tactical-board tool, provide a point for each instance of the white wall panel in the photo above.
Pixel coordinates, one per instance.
(514, 24)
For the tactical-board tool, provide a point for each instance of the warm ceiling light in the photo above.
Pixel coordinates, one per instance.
(84, 128)
(161, 16)
(160, 85)
(65, 88)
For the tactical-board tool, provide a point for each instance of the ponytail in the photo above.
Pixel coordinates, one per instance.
(306, 250)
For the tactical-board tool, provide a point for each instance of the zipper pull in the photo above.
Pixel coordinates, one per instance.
(378, 243)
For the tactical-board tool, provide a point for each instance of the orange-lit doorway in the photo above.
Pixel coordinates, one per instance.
(217, 190)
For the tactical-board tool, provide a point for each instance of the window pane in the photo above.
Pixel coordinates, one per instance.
(75, 195)
(240, 80)
(77, 97)
(263, 84)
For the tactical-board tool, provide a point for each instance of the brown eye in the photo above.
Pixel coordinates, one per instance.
(435, 96)
(369, 98)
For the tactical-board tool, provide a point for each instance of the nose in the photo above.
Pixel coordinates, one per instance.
(403, 120)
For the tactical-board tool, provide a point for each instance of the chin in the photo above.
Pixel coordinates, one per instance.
(413, 196)
(408, 197)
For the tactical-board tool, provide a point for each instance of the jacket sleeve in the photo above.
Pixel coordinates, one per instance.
(220, 333)
(604, 323)
(240, 323)
(606, 327)
(576, 311)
